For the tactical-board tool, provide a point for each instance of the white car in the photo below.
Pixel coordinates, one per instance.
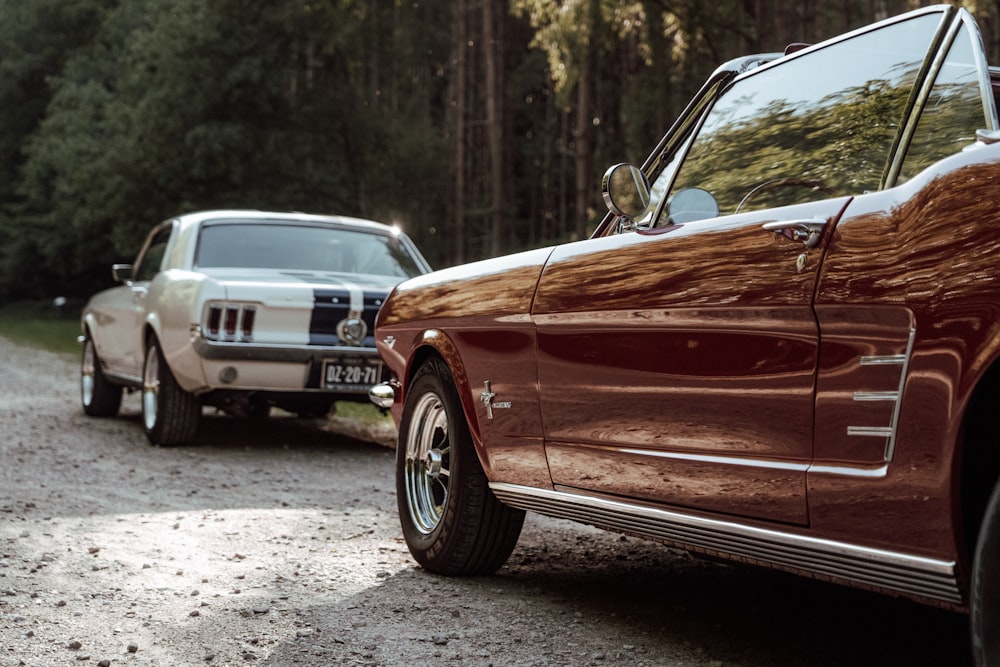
(242, 310)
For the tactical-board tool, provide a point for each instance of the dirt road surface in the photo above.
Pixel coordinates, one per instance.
(276, 543)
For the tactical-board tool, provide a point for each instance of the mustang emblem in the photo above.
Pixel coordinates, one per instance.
(487, 398)
(352, 330)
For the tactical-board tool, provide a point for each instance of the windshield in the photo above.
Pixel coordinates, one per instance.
(823, 123)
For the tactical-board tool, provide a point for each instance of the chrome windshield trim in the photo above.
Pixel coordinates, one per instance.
(869, 567)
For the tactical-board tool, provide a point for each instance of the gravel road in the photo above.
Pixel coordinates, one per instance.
(276, 543)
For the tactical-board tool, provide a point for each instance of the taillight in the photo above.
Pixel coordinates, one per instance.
(225, 321)
(232, 316)
(214, 319)
(246, 328)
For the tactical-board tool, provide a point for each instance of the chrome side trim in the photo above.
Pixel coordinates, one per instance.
(836, 561)
(850, 471)
(745, 462)
(892, 359)
(876, 396)
(871, 431)
(887, 432)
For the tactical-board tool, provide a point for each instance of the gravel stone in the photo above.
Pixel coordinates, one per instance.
(289, 528)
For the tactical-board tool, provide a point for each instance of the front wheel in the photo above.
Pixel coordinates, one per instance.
(99, 396)
(985, 612)
(452, 522)
(170, 415)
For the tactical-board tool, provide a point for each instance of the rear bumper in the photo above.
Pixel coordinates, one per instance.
(223, 351)
(234, 366)
(383, 395)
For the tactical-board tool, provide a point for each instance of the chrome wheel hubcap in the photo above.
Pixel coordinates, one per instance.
(426, 473)
(150, 388)
(87, 374)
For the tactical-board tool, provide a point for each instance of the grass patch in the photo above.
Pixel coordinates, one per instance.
(363, 422)
(364, 412)
(42, 325)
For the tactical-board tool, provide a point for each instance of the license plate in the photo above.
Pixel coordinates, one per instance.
(351, 373)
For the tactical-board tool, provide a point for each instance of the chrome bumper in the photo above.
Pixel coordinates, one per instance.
(283, 353)
(383, 395)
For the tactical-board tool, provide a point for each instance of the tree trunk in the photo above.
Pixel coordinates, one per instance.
(584, 124)
(458, 206)
(494, 127)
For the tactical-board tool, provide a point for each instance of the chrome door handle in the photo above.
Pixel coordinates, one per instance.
(808, 232)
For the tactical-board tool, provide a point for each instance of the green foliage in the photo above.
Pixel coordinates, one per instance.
(36, 38)
(43, 325)
(178, 105)
(117, 115)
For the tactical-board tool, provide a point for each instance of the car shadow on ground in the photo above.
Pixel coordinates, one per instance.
(590, 598)
(573, 595)
(281, 430)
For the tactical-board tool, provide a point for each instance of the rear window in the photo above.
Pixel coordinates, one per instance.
(303, 248)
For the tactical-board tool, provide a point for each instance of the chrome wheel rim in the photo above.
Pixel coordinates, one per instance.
(426, 472)
(150, 388)
(87, 373)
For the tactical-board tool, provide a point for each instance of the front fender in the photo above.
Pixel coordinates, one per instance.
(507, 435)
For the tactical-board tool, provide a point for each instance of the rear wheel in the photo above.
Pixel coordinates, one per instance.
(100, 398)
(985, 616)
(170, 415)
(452, 522)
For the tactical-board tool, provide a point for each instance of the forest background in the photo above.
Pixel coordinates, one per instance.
(480, 127)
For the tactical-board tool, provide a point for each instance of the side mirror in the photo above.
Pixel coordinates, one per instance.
(122, 273)
(625, 190)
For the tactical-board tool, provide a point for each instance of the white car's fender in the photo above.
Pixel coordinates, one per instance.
(181, 296)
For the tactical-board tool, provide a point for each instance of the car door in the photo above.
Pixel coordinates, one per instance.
(906, 304)
(125, 314)
(677, 364)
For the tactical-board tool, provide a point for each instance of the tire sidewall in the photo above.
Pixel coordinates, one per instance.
(105, 397)
(178, 412)
(985, 590)
(434, 378)
(153, 432)
(88, 347)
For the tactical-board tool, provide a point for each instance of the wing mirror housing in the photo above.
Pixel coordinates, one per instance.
(626, 192)
(122, 273)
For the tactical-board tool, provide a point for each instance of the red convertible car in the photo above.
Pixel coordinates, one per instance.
(782, 346)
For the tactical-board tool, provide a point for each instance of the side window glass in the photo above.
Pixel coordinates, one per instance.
(816, 126)
(657, 190)
(669, 160)
(152, 259)
(953, 111)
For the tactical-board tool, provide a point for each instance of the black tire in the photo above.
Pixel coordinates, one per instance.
(170, 415)
(99, 396)
(452, 522)
(985, 596)
(260, 410)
